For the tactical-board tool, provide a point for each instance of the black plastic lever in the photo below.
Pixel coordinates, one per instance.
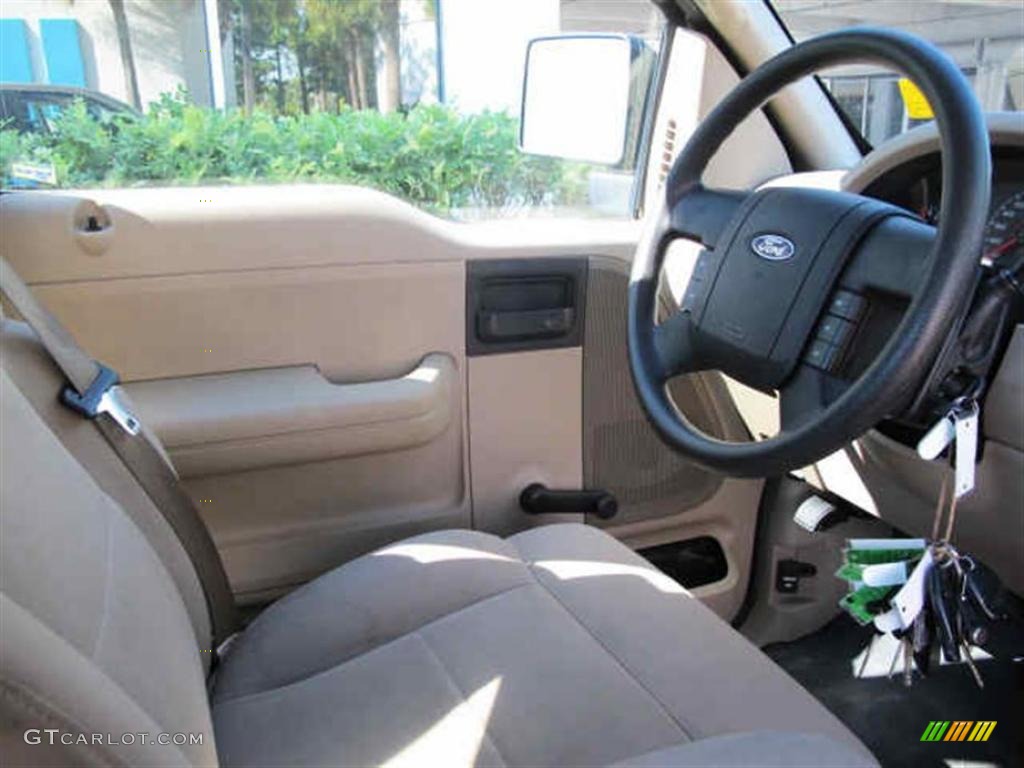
(538, 499)
(529, 324)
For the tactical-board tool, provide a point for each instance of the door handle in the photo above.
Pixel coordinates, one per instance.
(538, 499)
(525, 324)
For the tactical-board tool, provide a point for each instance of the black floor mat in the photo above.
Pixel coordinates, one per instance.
(891, 718)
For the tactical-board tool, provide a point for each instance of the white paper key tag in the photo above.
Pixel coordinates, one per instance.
(908, 602)
(937, 438)
(966, 418)
(959, 425)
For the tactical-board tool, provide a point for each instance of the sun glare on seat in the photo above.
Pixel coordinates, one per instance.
(437, 553)
(455, 739)
(583, 569)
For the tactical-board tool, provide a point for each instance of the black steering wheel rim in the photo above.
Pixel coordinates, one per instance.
(891, 380)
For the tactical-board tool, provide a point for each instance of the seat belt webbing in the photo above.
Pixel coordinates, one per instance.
(92, 382)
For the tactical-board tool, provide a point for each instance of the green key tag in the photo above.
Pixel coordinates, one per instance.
(867, 602)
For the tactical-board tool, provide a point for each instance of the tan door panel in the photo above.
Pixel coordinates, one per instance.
(359, 322)
(280, 526)
(253, 419)
(225, 309)
(525, 418)
(236, 313)
(203, 230)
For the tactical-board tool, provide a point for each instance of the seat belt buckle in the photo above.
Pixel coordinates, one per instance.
(103, 396)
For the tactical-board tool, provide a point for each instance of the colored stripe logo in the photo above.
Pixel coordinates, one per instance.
(958, 730)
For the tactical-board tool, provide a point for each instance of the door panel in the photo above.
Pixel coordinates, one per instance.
(302, 352)
(354, 323)
(525, 414)
(663, 498)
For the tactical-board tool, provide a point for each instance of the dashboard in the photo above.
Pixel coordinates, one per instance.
(907, 171)
(917, 186)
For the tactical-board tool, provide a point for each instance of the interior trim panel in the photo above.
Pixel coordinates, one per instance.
(253, 419)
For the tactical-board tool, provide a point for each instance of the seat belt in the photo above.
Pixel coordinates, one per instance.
(92, 391)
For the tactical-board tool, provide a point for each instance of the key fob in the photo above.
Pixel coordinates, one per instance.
(921, 637)
(943, 606)
(985, 589)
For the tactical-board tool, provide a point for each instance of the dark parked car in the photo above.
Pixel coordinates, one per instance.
(31, 108)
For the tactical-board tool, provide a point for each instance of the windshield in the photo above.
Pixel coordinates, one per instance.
(984, 37)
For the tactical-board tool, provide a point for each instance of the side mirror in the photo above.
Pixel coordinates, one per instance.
(584, 96)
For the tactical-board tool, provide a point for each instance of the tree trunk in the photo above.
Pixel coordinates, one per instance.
(248, 75)
(300, 60)
(360, 68)
(351, 57)
(390, 36)
(124, 41)
(370, 69)
(280, 80)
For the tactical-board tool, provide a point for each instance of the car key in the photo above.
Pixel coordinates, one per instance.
(942, 603)
(973, 628)
(971, 665)
(908, 660)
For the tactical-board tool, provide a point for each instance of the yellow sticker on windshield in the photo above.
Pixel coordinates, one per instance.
(917, 105)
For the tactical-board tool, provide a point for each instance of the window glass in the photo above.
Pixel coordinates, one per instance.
(417, 98)
(985, 38)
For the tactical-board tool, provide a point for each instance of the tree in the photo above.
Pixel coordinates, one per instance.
(344, 32)
(390, 36)
(327, 21)
(245, 53)
(287, 50)
(299, 45)
(264, 42)
(124, 42)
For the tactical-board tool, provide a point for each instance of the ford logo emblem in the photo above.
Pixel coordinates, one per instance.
(773, 247)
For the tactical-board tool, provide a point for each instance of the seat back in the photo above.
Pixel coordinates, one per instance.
(102, 618)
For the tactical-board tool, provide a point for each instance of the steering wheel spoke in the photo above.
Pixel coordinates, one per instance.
(673, 346)
(893, 258)
(806, 395)
(702, 214)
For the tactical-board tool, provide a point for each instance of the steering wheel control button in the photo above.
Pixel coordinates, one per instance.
(821, 355)
(847, 305)
(835, 330)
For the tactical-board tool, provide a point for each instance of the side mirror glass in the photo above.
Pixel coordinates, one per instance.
(583, 97)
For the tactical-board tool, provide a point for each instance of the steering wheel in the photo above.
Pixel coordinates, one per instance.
(787, 274)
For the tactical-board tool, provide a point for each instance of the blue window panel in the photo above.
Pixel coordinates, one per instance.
(15, 62)
(63, 52)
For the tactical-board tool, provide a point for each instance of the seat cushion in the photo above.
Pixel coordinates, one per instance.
(557, 646)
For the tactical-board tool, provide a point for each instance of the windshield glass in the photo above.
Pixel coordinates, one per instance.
(984, 37)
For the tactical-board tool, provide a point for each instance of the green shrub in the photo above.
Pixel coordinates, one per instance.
(432, 156)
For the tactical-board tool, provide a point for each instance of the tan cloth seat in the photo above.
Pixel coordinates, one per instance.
(557, 646)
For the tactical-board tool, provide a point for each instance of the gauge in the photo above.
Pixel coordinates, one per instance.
(1004, 232)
